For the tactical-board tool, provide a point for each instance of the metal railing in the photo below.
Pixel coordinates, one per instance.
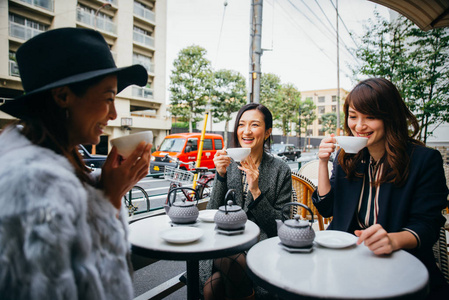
(142, 92)
(22, 32)
(100, 23)
(143, 39)
(45, 4)
(144, 13)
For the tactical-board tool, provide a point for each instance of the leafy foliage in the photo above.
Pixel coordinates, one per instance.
(228, 95)
(190, 84)
(417, 62)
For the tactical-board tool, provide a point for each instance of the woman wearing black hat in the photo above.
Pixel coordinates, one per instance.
(63, 233)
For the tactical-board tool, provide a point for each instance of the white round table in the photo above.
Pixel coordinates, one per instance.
(347, 273)
(145, 241)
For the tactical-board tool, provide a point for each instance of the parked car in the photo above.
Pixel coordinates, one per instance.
(91, 160)
(185, 147)
(286, 150)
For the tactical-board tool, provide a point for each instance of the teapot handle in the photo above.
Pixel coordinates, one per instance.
(181, 188)
(226, 198)
(293, 204)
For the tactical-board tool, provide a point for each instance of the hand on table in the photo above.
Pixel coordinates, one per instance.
(221, 161)
(119, 176)
(376, 238)
(252, 176)
(327, 146)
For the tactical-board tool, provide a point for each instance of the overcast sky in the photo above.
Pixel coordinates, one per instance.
(301, 42)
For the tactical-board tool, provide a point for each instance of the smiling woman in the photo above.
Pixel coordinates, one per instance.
(391, 193)
(262, 185)
(65, 229)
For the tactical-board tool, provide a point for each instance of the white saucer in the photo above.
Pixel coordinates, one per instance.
(296, 250)
(207, 215)
(229, 232)
(181, 235)
(335, 239)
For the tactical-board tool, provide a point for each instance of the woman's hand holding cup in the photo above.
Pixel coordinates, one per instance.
(221, 161)
(327, 146)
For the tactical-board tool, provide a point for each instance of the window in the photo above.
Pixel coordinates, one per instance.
(321, 132)
(218, 144)
(172, 145)
(193, 143)
(208, 144)
(309, 99)
(24, 28)
(334, 108)
(13, 67)
(321, 110)
(144, 61)
(142, 36)
(334, 98)
(321, 99)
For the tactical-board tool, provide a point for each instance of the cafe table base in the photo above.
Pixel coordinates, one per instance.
(353, 272)
(145, 241)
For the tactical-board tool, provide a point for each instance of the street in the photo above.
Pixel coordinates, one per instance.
(157, 188)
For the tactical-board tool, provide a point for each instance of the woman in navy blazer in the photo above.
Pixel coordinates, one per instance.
(391, 193)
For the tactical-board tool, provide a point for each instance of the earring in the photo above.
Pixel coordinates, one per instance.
(67, 114)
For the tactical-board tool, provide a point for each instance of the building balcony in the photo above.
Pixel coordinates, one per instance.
(143, 39)
(148, 65)
(22, 32)
(45, 4)
(13, 68)
(142, 92)
(144, 13)
(97, 23)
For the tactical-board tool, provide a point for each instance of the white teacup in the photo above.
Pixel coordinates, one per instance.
(238, 154)
(127, 144)
(351, 144)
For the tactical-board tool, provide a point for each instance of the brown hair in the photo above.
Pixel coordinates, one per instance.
(379, 98)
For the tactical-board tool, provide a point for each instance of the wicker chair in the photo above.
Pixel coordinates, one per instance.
(310, 169)
(302, 190)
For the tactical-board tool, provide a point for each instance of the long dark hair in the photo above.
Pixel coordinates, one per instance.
(379, 98)
(47, 127)
(268, 119)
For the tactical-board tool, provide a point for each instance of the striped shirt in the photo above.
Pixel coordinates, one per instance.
(368, 208)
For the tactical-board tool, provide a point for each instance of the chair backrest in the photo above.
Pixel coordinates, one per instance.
(310, 169)
(302, 190)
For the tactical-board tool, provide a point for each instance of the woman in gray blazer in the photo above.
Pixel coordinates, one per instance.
(263, 185)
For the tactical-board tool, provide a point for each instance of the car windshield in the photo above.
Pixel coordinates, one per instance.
(172, 145)
(277, 148)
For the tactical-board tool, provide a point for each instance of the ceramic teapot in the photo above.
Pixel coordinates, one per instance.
(230, 216)
(295, 232)
(184, 212)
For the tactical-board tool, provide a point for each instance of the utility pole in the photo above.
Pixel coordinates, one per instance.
(255, 51)
(338, 73)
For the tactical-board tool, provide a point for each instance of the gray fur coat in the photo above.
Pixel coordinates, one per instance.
(59, 239)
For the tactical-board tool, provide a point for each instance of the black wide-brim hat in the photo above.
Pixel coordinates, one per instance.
(62, 57)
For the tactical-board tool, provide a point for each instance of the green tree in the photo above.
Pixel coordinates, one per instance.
(308, 114)
(329, 122)
(228, 95)
(428, 96)
(285, 107)
(190, 84)
(415, 61)
(270, 84)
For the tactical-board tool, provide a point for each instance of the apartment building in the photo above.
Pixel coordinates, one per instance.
(325, 102)
(136, 33)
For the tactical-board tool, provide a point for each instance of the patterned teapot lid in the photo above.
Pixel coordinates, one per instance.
(230, 207)
(296, 222)
(184, 203)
